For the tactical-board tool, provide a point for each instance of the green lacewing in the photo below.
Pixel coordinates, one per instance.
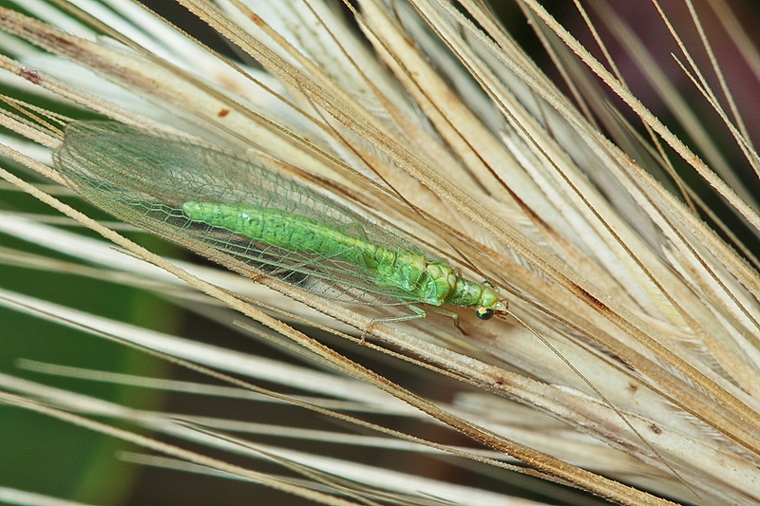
(235, 203)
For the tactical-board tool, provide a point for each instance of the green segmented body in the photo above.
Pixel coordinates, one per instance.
(202, 196)
(427, 281)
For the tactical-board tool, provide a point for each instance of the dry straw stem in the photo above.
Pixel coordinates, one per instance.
(171, 450)
(633, 322)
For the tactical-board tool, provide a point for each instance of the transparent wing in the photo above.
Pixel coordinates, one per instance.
(144, 178)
